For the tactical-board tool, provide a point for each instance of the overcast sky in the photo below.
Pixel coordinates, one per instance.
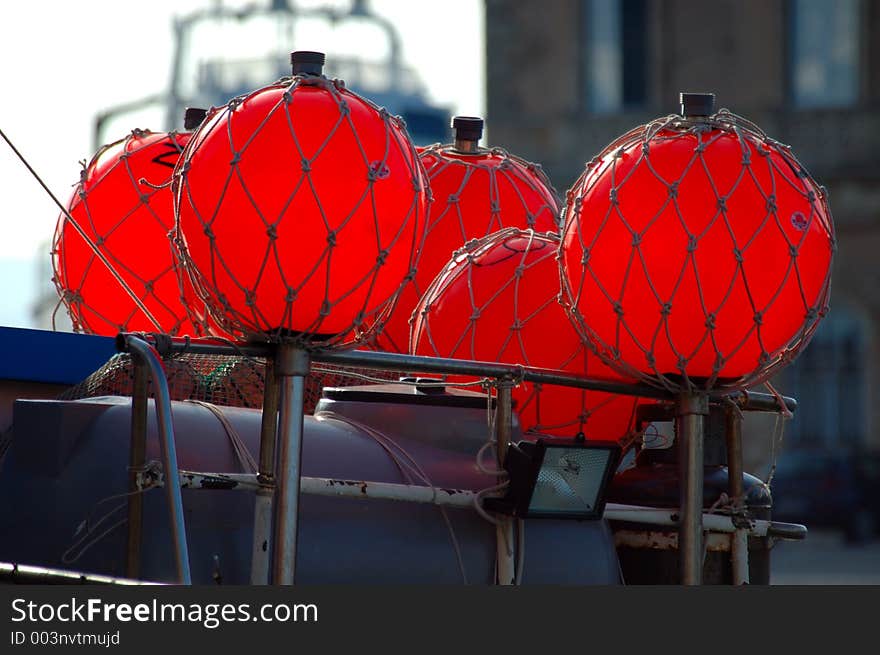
(62, 62)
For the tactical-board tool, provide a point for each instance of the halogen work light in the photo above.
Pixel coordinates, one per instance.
(557, 478)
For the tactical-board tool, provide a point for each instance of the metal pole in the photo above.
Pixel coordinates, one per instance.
(739, 547)
(505, 569)
(137, 455)
(292, 365)
(260, 562)
(145, 352)
(746, 400)
(691, 410)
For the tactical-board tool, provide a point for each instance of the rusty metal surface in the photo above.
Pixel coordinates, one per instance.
(663, 540)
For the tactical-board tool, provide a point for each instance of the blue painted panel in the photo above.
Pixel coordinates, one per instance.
(52, 357)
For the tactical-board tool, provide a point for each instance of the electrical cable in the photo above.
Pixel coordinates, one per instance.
(409, 467)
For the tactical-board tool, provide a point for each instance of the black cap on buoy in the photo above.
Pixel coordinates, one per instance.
(697, 104)
(468, 132)
(193, 117)
(307, 62)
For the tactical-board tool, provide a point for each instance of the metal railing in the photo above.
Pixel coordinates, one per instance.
(277, 489)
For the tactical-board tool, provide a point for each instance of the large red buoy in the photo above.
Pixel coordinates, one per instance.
(497, 300)
(476, 191)
(300, 207)
(124, 208)
(696, 251)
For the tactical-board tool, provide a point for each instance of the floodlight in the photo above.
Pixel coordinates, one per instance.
(557, 478)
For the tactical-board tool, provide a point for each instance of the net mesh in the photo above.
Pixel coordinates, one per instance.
(232, 381)
(474, 195)
(497, 300)
(120, 210)
(695, 297)
(330, 227)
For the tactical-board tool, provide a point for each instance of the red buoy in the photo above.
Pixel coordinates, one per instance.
(124, 208)
(300, 207)
(476, 191)
(497, 301)
(697, 251)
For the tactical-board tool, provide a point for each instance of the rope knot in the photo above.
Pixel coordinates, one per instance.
(586, 257)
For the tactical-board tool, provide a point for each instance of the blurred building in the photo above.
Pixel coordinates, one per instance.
(566, 77)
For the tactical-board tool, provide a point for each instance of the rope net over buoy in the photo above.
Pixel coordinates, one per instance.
(111, 253)
(497, 301)
(476, 191)
(696, 253)
(300, 209)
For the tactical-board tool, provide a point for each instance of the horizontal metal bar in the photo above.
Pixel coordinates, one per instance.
(389, 491)
(167, 345)
(25, 573)
(788, 531)
(334, 487)
(752, 401)
(221, 481)
(465, 498)
(746, 400)
(711, 522)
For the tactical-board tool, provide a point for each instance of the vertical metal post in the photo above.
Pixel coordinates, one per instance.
(505, 569)
(690, 412)
(260, 562)
(292, 365)
(137, 455)
(739, 547)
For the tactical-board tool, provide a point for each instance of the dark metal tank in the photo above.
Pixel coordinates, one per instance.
(66, 470)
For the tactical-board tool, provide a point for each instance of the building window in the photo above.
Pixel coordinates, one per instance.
(824, 53)
(615, 71)
(829, 381)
